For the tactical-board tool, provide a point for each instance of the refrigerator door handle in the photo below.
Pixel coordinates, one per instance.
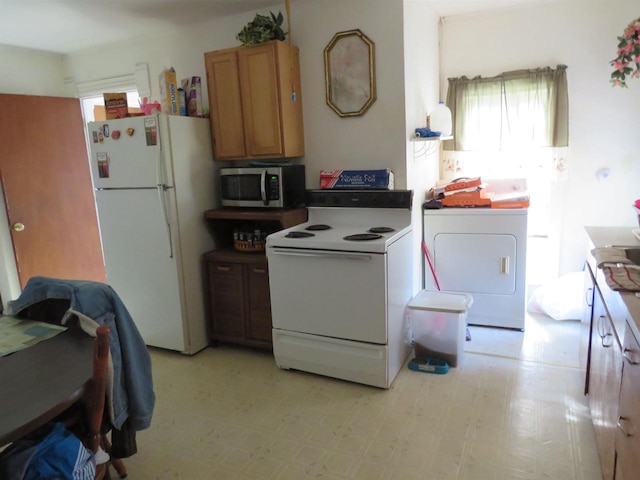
(162, 188)
(106, 189)
(160, 167)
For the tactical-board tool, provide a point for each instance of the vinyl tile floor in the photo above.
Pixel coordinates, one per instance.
(513, 409)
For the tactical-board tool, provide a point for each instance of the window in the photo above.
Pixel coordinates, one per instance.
(88, 104)
(510, 126)
(509, 112)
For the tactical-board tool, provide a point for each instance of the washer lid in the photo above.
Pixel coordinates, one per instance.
(439, 301)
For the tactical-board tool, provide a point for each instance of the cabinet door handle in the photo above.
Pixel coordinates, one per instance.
(626, 354)
(259, 270)
(605, 337)
(504, 265)
(619, 425)
(601, 331)
(589, 297)
(220, 268)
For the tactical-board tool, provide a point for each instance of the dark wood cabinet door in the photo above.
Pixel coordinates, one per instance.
(604, 384)
(585, 325)
(628, 431)
(259, 318)
(47, 188)
(226, 293)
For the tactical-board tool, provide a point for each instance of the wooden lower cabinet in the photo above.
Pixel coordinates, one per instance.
(627, 435)
(604, 384)
(239, 301)
(613, 370)
(238, 296)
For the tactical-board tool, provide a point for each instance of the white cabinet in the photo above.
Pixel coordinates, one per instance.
(480, 251)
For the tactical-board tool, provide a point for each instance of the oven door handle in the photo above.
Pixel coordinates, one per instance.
(341, 256)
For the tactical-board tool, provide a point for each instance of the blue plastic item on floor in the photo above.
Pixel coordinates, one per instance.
(429, 365)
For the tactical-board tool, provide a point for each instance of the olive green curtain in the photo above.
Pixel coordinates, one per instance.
(519, 109)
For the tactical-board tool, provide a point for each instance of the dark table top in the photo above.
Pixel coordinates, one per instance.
(41, 381)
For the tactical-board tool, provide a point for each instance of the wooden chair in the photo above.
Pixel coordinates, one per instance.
(94, 406)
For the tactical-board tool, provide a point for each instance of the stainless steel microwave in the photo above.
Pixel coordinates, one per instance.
(266, 187)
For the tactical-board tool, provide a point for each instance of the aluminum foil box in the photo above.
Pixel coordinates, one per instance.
(374, 179)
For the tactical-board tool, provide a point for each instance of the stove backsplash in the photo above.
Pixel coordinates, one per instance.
(360, 198)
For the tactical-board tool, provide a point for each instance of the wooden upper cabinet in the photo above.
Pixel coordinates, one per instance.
(255, 101)
(225, 103)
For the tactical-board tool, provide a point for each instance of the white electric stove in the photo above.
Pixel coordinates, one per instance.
(339, 286)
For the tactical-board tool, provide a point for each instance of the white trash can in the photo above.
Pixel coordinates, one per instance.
(439, 324)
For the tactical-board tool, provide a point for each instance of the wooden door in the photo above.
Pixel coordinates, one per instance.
(225, 103)
(47, 188)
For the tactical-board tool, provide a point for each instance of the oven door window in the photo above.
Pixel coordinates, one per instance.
(241, 187)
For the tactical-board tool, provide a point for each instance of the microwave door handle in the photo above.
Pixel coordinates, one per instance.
(263, 187)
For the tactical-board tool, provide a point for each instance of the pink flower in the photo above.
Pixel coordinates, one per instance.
(628, 58)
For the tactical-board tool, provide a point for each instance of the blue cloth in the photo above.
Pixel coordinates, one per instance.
(51, 452)
(61, 455)
(425, 132)
(133, 396)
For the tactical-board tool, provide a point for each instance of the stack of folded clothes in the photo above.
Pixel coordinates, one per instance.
(619, 272)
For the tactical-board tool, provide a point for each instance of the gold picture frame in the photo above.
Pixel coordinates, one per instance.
(349, 65)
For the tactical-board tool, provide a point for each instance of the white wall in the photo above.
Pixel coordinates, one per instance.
(376, 139)
(31, 72)
(604, 129)
(421, 85)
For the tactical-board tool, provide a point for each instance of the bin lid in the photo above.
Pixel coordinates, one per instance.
(439, 301)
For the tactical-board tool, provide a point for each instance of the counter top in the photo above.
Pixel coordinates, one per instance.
(622, 236)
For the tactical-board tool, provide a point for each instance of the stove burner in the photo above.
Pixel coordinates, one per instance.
(381, 230)
(318, 227)
(362, 237)
(299, 235)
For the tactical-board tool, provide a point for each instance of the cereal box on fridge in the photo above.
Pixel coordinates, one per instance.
(169, 92)
(115, 105)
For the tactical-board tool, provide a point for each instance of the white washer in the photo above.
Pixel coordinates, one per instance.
(480, 251)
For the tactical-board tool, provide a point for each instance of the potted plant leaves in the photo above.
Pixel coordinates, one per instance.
(262, 29)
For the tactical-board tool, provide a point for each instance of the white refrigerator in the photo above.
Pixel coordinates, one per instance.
(154, 176)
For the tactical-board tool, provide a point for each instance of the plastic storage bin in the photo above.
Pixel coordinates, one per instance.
(438, 324)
